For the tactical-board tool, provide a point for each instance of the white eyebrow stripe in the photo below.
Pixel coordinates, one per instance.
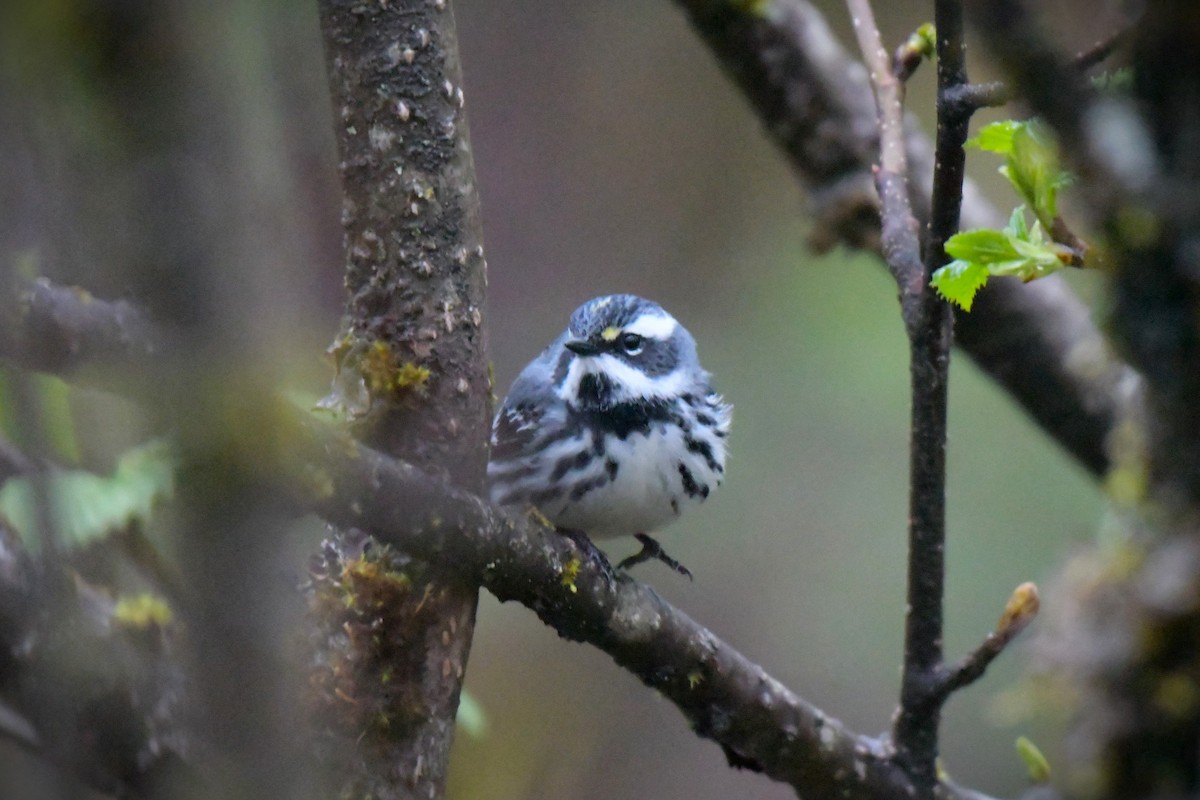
(653, 326)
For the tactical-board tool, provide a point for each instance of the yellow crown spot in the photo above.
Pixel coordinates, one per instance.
(610, 334)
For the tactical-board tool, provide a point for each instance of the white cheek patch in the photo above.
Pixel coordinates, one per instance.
(569, 389)
(628, 383)
(653, 326)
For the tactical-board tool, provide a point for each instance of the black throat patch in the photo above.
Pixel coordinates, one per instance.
(595, 391)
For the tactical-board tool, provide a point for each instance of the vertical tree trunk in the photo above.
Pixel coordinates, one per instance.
(412, 374)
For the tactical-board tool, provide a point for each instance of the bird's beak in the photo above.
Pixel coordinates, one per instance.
(581, 347)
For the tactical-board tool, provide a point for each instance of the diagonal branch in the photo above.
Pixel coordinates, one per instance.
(1020, 610)
(758, 722)
(1038, 340)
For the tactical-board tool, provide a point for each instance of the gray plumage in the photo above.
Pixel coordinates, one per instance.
(614, 429)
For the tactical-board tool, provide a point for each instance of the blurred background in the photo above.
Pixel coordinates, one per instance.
(612, 156)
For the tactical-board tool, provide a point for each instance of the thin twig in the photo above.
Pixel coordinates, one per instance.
(1020, 610)
(993, 94)
(970, 97)
(901, 243)
(1101, 50)
(917, 723)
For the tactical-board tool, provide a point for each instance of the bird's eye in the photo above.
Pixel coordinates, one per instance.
(632, 344)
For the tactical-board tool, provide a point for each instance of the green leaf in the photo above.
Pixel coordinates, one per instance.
(1033, 168)
(85, 507)
(996, 137)
(1016, 223)
(471, 717)
(1035, 762)
(1018, 251)
(959, 281)
(1031, 162)
(1118, 80)
(983, 245)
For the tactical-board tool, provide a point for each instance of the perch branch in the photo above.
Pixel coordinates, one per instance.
(759, 723)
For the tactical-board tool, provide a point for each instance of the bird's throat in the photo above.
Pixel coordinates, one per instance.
(595, 391)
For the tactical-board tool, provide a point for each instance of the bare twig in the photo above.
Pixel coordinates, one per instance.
(928, 321)
(970, 97)
(901, 244)
(1020, 610)
(975, 96)
(1102, 49)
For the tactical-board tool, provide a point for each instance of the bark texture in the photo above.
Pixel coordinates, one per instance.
(412, 374)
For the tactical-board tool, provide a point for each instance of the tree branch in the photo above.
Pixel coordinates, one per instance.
(412, 368)
(1139, 169)
(1020, 610)
(1036, 340)
(899, 240)
(66, 331)
(758, 722)
(928, 322)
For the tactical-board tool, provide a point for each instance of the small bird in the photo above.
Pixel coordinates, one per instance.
(613, 430)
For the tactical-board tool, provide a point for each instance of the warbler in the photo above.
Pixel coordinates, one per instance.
(614, 429)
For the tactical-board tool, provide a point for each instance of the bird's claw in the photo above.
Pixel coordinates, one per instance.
(651, 549)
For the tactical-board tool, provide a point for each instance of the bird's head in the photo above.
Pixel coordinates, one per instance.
(625, 349)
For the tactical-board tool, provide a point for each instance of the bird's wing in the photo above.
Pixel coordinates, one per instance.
(528, 409)
(514, 429)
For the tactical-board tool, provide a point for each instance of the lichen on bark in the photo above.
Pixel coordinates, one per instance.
(412, 375)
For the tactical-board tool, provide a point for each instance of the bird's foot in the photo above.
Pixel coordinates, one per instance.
(653, 550)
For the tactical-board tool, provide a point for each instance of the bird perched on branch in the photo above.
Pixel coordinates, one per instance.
(614, 429)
